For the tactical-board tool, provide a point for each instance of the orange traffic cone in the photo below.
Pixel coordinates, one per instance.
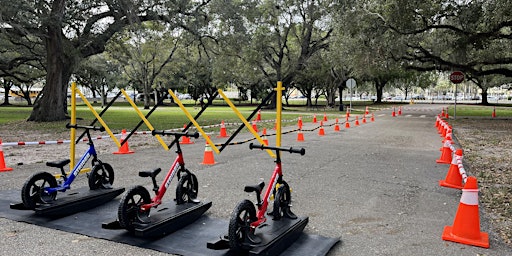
(453, 177)
(347, 124)
(325, 117)
(494, 112)
(357, 121)
(400, 110)
(364, 119)
(258, 117)
(446, 153)
(254, 126)
(185, 139)
(264, 137)
(321, 131)
(442, 113)
(223, 133)
(300, 135)
(366, 111)
(446, 115)
(208, 155)
(373, 118)
(299, 123)
(393, 114)
(314, 119)
(3, 168)
(336, 126)
(466, 226)
(348, 113)
(124, 149)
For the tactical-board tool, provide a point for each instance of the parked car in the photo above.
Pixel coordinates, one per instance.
(184, 96)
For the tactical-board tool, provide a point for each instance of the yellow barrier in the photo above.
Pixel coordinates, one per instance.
(99, 118)
(146, 121)
(246, 123)
(198, 127)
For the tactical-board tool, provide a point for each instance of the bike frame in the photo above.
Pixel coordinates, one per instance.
(179, 164)
(91, 152)
(262, 207)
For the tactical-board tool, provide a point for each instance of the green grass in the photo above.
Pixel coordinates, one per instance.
(480, 111)
(122, 116)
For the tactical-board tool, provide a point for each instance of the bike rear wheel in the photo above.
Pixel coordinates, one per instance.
(129, 211)
(240, 224)
(33, 192)
(101, 176)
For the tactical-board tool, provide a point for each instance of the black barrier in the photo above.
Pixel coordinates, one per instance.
(100, 114)
(263, 102)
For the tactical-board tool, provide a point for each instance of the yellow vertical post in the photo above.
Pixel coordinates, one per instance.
(278, 112)
(73, 130)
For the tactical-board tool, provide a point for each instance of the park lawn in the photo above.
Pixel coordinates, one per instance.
(479, 111)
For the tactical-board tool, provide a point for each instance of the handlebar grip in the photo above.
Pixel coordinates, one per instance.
(195, 135)
(300, 151)
(94, 128)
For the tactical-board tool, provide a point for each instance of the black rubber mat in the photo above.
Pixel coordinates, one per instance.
(190, 240)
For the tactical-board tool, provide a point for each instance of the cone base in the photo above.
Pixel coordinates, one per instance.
(190, 142)
(444, 183)
(449, 236)
(7, 169)
(439, 161)
(123, 152)
(208, 158)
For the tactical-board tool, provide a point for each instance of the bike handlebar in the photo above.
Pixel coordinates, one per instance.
(300, 151)
(88, 127)
(195, 135)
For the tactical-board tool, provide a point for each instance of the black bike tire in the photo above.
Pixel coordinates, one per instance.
(239, 227)
(95, 181)
(282, 199)
(27, 195)
(187, 185)
(129, 208)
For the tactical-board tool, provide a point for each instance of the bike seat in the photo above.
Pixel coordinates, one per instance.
(151, 174)
(58, 164)
(255, 188)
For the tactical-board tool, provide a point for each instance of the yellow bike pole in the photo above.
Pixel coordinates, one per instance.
(73, 130)
(279, 105)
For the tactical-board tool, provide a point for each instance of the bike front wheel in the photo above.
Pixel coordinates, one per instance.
(282, 201)
(129, 211)
(101, 176)
(187, 189)
(33, 192)
(240, 224)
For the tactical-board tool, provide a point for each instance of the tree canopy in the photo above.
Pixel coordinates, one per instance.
(251, 44)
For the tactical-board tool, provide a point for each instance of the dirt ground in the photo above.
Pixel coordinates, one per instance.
(487, 146)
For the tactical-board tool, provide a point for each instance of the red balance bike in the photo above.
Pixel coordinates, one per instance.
(136, 204)
(245, 219)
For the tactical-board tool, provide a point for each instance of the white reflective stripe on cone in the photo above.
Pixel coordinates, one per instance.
(469, 197)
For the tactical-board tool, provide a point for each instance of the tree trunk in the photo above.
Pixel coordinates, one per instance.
(52, 105)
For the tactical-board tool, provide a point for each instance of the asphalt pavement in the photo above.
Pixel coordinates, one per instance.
(374, 186)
